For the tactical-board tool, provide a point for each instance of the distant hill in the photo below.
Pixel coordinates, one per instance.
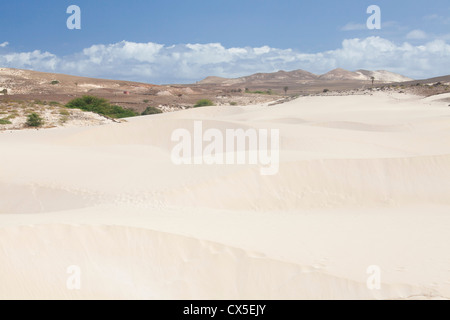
(384, 76)
(300, 76)
(279, 76)
(341, 74)
(214, 80)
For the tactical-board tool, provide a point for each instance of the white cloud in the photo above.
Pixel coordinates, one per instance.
(351, 26)
(4, 44)
(35, 59)
(158, 63)
(417, 35)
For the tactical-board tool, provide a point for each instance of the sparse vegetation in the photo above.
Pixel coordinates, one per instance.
(29, 110)
(5, 121)
(63, 119)
(64, 112)
(54, 82)
(17, 114)
(233, 103)
(151, 110)
(100, 106)
(39, 102)
(326, 90)
(269, 92)
(203, 103)
(34, 120)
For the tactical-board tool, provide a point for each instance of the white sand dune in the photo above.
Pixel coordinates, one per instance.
(363, 180)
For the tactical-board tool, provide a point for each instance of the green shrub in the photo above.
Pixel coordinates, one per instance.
(54, 82)
(5, 121)
(5, 91)
(326, 90)
(203, 103)
(34, 120)
(100, 106)
(151, 110)
(233, 103)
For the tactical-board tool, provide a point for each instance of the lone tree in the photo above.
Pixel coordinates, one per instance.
(286, 90)
(373, 79)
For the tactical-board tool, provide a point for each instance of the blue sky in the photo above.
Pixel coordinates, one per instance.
(184, 41)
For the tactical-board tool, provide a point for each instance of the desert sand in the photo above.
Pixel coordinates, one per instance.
(363, 181)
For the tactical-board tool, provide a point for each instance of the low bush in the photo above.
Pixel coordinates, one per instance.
(34, 120)
(203, 103)
(100, 106)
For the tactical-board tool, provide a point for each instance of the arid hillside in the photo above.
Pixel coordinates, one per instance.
(304, 82)
(25, 85)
